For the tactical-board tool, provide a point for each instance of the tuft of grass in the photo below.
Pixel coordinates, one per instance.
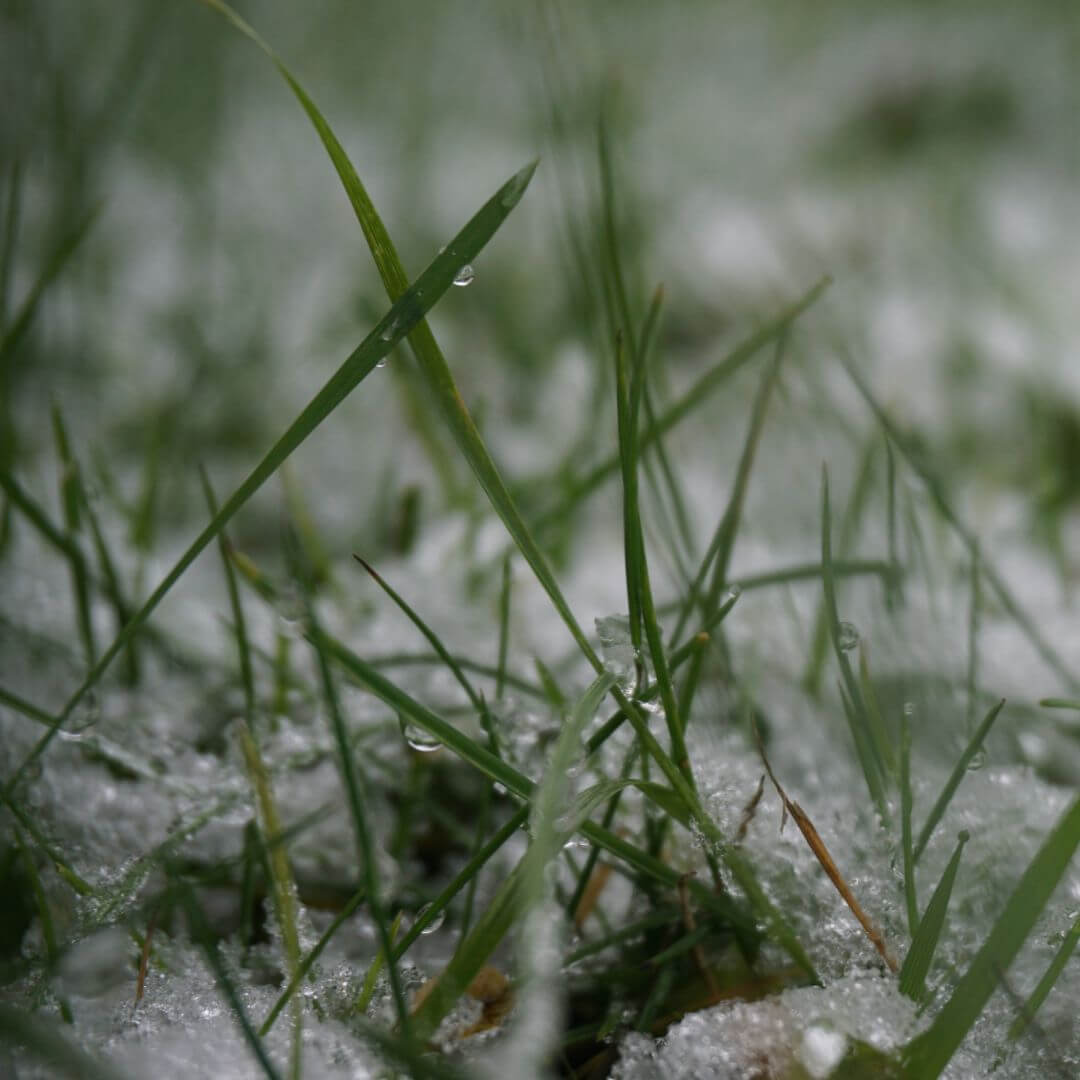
(928, 1054)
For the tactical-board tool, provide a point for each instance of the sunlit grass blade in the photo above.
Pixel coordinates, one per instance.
(928, 1054)
(411, 307)
(920, 954)
(960, 769)
(687, 402)
(871, 756)
(936, 490)
(1046, 983)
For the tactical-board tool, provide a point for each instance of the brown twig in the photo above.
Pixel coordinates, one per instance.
(749, 810)
(817, 846)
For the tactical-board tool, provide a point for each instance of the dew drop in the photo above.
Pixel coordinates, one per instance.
(978, 760)
(435, 923)
(848, 637)
(731, 594)
(909, 709)
(417, 738)
(464, 276)
(382, 363)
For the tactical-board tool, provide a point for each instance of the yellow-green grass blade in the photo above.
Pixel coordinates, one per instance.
(928, 1054)
(404, 314)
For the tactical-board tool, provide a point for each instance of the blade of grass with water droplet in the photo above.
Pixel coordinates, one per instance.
(920, 955)
(928, 1054)
(871, 757)
(405, 313)
(937, 812)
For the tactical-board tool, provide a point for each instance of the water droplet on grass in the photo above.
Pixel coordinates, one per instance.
(417, 738)
(848, 637)
(978, 760)
(464, 276)
(617, 649)
(435, 923)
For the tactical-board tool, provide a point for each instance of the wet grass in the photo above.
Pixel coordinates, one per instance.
(614, 793)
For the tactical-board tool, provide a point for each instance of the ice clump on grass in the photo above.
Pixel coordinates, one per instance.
(621, 659)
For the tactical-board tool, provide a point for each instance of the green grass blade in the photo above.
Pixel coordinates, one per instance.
(203, 936)
(404, 314)
(871, 757)
(1046, 983)
(920, 955)
(974, 612)
(526, 885)
(960, 769)
(937, 493)
(687, 402)
(309, 959)
(1059, 703)
(429, 635)
(910, 896)
(504, 629)
(57, 260)
(514, 782)
(848, 532)
(928, 1054)
(364, 841)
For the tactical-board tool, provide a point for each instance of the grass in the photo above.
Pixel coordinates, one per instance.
(577, 874)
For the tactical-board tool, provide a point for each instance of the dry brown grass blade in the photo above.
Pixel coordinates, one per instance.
(821, 852)
(749, 810)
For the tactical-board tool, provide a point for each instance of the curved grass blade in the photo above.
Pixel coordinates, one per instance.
(1046, 983)
(910, 898)
(364, 842)
(414, 303)
(429, 635)
(936, 491)
(960, 770)
(928, 1054)
(920, 955)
